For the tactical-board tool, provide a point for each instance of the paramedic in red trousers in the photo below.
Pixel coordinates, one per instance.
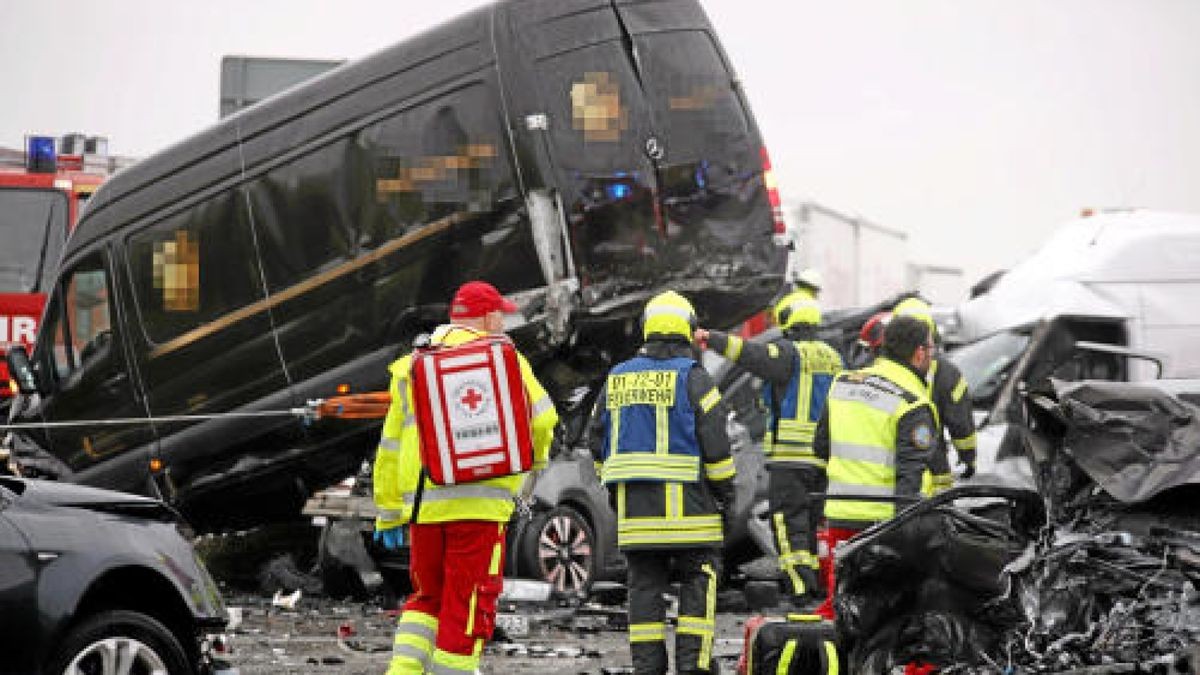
(658, 437)
(798, 370)
(457, 543)
(878, 433)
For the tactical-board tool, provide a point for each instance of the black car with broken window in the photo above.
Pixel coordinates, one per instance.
(579, 154)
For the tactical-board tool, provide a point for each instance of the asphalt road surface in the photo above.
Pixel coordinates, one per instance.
(320, 635)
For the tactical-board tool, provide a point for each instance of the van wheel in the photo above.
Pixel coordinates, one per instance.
(559, 547)
(119, 643)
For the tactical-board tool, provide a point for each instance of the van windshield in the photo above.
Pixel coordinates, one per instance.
(33, 224)
(984, 362)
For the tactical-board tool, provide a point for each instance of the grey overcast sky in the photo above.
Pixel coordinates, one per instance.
(975, 125)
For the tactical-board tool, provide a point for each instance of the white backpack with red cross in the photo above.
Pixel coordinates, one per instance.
(471, 409)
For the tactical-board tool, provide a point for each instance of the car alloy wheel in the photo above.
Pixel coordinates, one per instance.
(117, 656)
(119, 642)
(565, 547)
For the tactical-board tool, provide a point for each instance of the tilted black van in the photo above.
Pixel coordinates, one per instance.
(580, 154)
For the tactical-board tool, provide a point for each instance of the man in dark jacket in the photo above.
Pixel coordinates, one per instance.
(952, 400)
(658, 437)
(797, 370)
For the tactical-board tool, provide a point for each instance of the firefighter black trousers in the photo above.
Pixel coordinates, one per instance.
(650, 575)
(795, 515)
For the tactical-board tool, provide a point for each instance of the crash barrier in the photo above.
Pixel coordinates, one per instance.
(800, 644)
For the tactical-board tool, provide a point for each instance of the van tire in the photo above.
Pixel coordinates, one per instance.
(152, 642)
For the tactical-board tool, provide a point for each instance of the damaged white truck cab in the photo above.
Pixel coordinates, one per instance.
(1114, 296)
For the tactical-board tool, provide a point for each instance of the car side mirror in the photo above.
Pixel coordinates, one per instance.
(21, 370)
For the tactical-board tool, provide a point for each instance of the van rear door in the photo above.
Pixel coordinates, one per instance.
(656, 157)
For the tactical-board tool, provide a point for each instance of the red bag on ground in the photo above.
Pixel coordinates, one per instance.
(471, 410)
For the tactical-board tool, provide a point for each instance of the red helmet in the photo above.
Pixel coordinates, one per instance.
(871, 335)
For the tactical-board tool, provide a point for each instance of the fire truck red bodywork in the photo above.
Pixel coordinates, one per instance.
(20, 312)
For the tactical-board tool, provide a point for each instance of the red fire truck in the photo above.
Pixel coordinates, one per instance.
(42, 189)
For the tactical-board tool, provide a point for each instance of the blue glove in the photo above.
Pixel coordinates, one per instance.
(391, 538)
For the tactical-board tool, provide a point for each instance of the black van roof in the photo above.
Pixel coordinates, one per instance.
(213, 156)
(210, 156)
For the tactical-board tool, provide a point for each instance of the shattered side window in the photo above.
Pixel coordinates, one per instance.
(194, 267)
(305, 213)
(442, 157)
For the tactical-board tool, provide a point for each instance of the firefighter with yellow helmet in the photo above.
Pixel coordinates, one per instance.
(950, 396)
(797, 369)
(659, 440)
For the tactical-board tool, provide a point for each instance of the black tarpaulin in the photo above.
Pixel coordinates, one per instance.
(922, 586)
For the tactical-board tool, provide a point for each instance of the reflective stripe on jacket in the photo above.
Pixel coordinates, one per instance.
(864, 410)
(790, 438)
(651, 427)
(397, 467)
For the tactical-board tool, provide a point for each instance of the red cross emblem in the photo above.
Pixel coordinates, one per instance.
(472, 399)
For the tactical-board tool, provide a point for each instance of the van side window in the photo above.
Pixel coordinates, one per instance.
(82, 324)
(441, 157)
(194, 267)
(305, 212)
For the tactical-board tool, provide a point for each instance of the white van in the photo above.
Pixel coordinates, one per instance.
(1140, 268)
(1114, 296)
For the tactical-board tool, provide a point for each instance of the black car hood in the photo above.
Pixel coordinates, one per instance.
(1135, 442)
(52, 493)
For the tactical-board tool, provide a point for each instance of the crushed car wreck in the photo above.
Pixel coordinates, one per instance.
(1094, 569)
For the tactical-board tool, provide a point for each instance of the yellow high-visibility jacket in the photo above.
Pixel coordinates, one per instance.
(880, 431)
(397, 468)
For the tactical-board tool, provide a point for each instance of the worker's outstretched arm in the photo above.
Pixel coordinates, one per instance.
(773, 361)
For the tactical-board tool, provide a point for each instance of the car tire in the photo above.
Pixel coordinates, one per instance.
(559, 547)
(149, 642)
